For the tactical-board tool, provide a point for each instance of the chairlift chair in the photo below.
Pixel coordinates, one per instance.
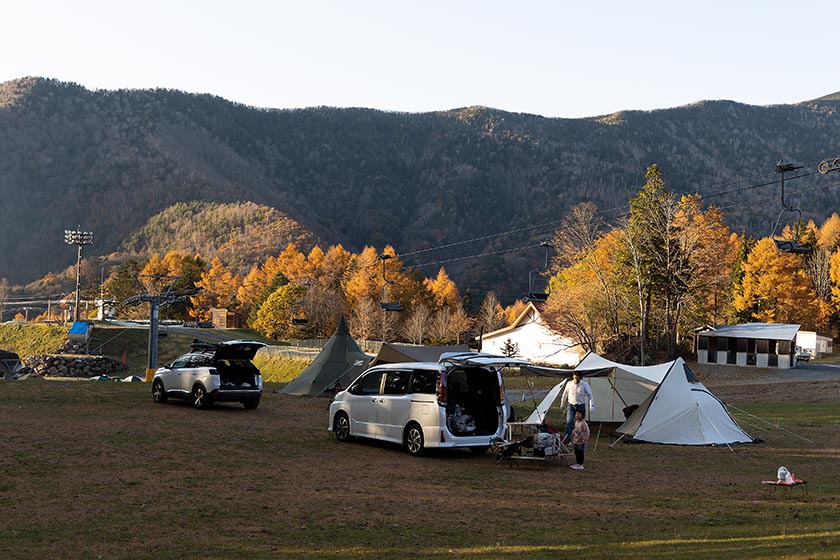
(299, 317)
(789, 245)
(533, 275)
(383, 302)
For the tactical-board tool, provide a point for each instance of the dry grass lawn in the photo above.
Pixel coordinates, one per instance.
(97, 470)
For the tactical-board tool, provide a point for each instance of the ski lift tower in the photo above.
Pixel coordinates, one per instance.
(155, 301)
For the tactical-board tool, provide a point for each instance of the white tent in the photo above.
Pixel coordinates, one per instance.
(682, 411)
(615, 387)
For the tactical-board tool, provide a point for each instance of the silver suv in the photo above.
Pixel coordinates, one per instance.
(212, 373)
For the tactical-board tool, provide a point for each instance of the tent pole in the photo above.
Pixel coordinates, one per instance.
(598, 435)
(715, 427)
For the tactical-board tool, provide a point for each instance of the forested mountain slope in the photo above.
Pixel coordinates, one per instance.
(110, 160)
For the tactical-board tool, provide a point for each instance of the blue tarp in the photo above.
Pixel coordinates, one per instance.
(79, 327)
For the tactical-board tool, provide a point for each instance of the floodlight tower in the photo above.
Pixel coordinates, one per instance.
(78, 238)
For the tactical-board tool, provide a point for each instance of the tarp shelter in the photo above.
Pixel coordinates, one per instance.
(615, 386)
(401, 353)
(340, 361)
(682, 411)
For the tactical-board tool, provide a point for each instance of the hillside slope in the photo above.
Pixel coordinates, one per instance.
(110, 160)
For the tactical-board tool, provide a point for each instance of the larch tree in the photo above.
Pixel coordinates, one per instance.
(775, 288)
(443, 290)
(218, 288)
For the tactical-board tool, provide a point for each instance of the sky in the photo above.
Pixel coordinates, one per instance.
(556, 59)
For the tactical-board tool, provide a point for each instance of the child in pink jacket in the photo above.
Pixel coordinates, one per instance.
(580, 435)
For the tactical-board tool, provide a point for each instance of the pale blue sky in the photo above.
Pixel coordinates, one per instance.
(557, 59)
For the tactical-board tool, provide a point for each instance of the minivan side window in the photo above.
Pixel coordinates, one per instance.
(368, 385)
(424, 381)
(396, 383)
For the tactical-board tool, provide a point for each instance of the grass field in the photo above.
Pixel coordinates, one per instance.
(97, 470)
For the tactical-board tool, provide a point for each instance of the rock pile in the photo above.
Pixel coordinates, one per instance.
(73, 366)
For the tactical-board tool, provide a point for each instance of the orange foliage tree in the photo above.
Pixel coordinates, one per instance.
(218, 288)
(775, 288)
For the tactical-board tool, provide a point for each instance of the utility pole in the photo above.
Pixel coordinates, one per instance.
(78, 238)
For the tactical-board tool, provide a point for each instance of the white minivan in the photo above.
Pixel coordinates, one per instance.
(456, 402)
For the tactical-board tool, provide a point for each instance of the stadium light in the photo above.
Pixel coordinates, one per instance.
(78, 238)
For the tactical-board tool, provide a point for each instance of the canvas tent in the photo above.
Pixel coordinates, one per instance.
(615, 387)
(340, 361)
(682, 411)
(399, 353)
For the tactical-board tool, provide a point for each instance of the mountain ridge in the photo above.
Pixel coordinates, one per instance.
(109, 160)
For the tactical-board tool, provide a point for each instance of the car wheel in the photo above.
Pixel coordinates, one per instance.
(252, 404)
(479, 450)
(200, 399)
(158, 392)
(414, 439)
(341, 427)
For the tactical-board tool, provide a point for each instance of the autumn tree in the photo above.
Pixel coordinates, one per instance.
(490, 316)
(273, 316)
(775, 288)
(257, 285)
(443, 290)
(218, 288)
(364, 319)
(448, 324)
(416, 324)
(513, 311)
(587, 300)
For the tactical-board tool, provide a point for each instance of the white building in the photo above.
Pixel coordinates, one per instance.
(534, 340)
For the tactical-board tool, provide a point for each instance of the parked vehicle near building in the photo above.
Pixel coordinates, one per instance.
(456, 402)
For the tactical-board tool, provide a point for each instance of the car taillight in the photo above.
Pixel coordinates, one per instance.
(441, 389)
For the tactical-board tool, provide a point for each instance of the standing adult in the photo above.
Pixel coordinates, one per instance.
(576, 394)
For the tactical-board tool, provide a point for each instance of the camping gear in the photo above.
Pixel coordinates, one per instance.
(784, 475)
(786, 481)
(682, 411)
(338, 363)
(530, 443)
